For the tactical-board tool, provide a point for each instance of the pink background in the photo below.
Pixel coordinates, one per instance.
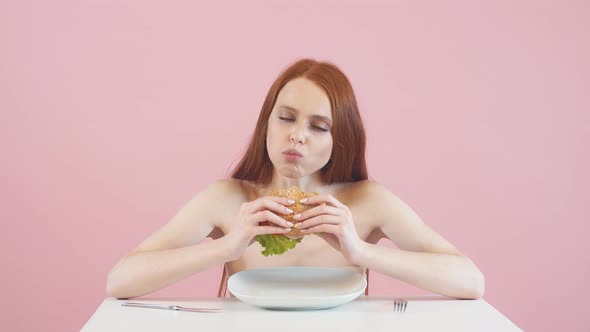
(113, 114)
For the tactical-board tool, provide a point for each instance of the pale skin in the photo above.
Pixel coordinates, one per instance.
(355, 217)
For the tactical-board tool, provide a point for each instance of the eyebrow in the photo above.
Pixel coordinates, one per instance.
(317, 116)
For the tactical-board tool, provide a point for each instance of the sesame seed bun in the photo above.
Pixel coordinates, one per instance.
(295, 194)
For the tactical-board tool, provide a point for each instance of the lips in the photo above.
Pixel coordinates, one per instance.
(293, 152)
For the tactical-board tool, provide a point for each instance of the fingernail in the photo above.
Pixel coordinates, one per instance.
(303, 200)
(288, 210)
(297, 216)
(290, 224)
(297, 225)
(290, 201)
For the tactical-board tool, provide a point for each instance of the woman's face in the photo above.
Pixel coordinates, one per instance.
(301, 119)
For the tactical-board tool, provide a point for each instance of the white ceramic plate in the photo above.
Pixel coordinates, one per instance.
(297, 288)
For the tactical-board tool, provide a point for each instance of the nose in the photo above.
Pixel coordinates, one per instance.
(297, 136)
(296, 139)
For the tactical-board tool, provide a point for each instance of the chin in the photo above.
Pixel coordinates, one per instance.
(291, 174)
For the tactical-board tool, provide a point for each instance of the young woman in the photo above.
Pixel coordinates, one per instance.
(309, 134)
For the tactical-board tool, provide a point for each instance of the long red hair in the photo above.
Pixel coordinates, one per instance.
(347, 162)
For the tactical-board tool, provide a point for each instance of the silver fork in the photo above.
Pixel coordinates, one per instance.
(400, 305)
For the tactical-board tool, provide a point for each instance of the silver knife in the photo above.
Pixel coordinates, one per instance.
(168, 307)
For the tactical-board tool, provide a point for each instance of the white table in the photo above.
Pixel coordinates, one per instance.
(366, 313)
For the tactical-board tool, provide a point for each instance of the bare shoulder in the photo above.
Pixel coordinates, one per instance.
(198, 218)
(390, 206)
(222, 187)
(227, 195)
(369, 186)
(232, 190)
(387, 207)
(365, 192)
(398, 221)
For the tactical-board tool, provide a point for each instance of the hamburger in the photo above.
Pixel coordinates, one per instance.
(295, 194)
(276, 244)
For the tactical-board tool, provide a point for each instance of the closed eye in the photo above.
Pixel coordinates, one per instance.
(314, 127)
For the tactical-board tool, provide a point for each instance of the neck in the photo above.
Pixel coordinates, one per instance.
(310, 183)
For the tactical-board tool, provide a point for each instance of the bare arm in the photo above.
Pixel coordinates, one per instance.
(175, 251)
(424, 259)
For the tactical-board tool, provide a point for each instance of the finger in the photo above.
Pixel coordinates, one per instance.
(276, 204)
(267, 215)
(281, 200)
(326, 228)
(319, 199)
(271, 230)
(321, 219)
(318, 210)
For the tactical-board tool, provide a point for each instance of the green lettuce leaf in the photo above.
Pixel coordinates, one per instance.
(276, 244)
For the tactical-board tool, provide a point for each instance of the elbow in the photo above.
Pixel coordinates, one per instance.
(115, 292)
(480, 285)
(114, 288)
(476, 289)
(474, 284)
